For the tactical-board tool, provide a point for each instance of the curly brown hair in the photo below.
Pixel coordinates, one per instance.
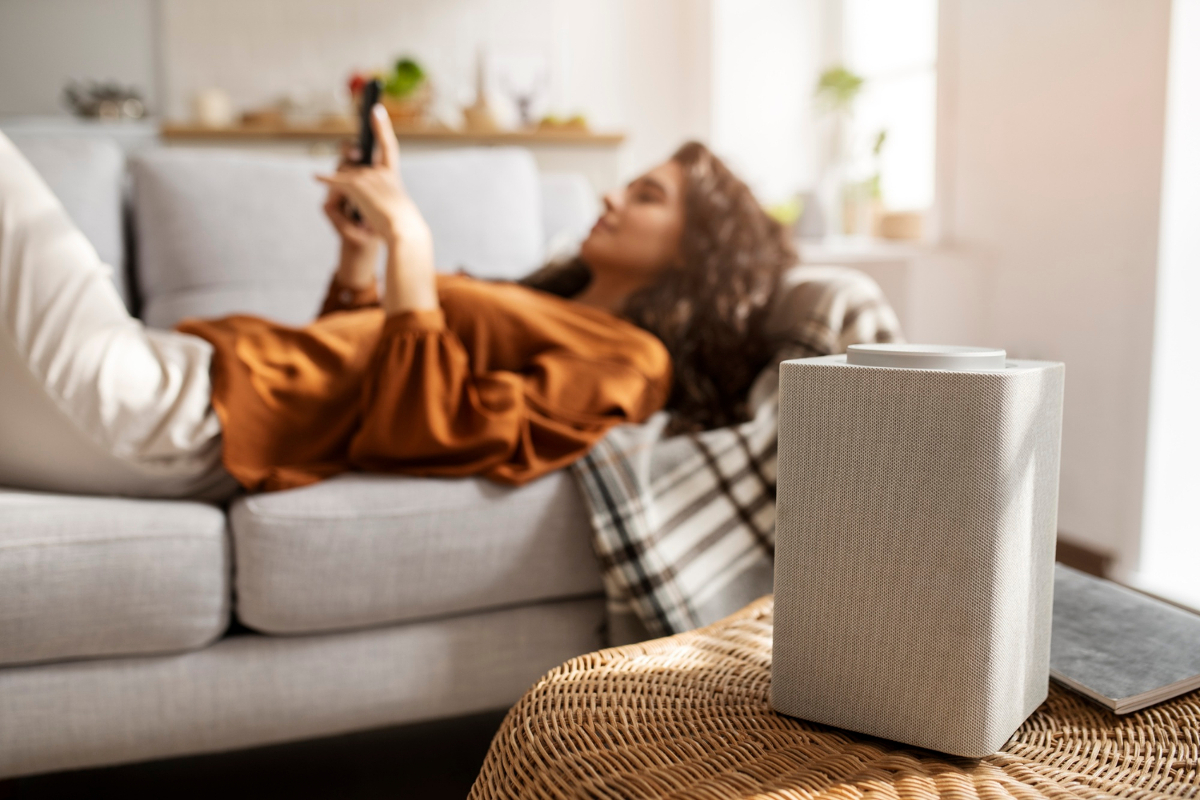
(710, 312)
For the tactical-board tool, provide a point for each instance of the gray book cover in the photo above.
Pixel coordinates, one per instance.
(1123, 649)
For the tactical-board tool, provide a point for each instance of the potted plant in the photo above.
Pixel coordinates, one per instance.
(407, 92)
(837, 89)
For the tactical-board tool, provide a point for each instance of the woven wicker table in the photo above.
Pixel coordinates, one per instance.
(688, 717)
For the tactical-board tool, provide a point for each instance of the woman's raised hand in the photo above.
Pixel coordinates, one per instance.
(353, 232)
(376, 190)
(359, 244)
(388, 212)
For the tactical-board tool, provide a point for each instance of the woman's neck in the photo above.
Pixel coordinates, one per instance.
(608, 290)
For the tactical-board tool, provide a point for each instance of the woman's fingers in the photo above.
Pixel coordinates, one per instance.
(355, 231)
(385, 136)
(334, 210)
(376, 191)
(342, 187)
(348, 154)
(367, 189)
(342, 181)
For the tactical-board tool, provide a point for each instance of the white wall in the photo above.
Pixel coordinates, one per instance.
(1051, 132)
(736, 73)
(639, 66)
(1170, 553)
(46, 43)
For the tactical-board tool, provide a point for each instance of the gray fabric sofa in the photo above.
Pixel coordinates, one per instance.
(133, 629)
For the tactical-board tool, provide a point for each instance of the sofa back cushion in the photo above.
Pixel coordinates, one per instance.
(223, 232)
(87, 176)
(569, 209)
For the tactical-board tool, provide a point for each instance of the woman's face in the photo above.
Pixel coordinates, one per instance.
(641, 226)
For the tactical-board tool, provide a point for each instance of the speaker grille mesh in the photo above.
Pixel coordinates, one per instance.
(915, 546)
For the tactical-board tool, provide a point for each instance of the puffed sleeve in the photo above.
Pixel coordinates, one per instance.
(427, 412)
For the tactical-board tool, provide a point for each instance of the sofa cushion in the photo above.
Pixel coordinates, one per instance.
(484, 206)
(88, 177)
(254, 690)
(222, 232)
(96, 576)
(569, 209)
(362, 550)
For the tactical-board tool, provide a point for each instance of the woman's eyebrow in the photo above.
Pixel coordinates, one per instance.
(652, 183)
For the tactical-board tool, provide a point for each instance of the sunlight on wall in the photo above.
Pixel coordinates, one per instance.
(1170, 552)
(1051, 160)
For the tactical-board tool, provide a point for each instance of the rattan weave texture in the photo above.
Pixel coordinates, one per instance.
(688, 717)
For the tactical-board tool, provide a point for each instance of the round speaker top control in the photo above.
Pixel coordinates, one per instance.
(925, 356)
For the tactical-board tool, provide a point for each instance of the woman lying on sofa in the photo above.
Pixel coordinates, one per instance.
(438, 375)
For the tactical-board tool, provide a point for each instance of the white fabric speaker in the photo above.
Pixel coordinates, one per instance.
(914, 564)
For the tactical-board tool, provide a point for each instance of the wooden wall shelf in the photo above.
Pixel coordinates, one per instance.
(173, 132)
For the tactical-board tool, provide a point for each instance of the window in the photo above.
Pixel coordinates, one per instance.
(892, 45)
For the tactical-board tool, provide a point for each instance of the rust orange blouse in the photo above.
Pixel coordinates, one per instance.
(503, 381)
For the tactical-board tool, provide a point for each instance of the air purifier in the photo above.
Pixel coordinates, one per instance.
(914, 564)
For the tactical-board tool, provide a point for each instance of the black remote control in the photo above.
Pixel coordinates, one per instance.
(366, 134)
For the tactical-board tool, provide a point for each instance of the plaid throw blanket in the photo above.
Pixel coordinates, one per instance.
(684, 526)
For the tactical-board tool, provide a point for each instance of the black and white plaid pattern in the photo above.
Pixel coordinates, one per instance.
(684, 526)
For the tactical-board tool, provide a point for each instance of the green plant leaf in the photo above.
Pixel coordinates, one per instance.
(405, 79)
(837, 88)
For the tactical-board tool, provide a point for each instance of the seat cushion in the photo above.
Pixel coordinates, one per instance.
(253, 690)
(88, 178)
(362, 550)
(222, 232)
(97, 576)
